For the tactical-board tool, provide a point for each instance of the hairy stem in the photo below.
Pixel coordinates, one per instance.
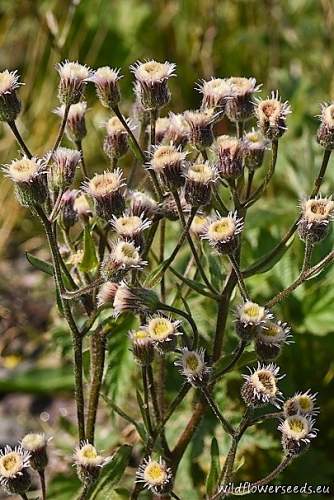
(19, 139)
(98, 342)
(41, 474)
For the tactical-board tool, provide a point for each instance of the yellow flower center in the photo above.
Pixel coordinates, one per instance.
(114, 126)
(160, 328)
(23, 170)
(128, 225)
(200, 173)
(10, 462)
(140, 335)
(155, 473)
(296, 425)
(89, 451)
(103, 184)
(266, 382)
(221, 228)
(271, 329)
(270, 108)
(305, 402)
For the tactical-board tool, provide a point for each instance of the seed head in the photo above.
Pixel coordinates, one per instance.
(106, 84)
(29, 177)
(260, 386)
(239, 106)
(64, 162)
(142, 346)
(123, 257)
(168, 163)
(131, 227)
(270, 338)
(253, 148)
(200, 179)
(193, 367)
(216, 93)
(36, 445)
(325, 134)
(156, 476)
(10, 105)
(163, 332)
(135, 300)
(271, 116)
(297, 432)
(229, 156)
(250, 317)
(178, 132)
(73, 78)
(116, 141)
(200, 124)
(14, 476)
(107, 190)
(142, 204)
(75, 124)
(151, 83)
(107, 293)
(302, 403)
(88, 462)
(316, 216)
(199, 224)
(223, 232)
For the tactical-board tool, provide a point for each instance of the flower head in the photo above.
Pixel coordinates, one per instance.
(168, 163)
(107, 190)
(123, 257)
(169, 209)
(36, 445)
(250, 316)
(302, 403)
(270, 337)
(155, 475)
(222, 232)
(297, 432)
(317, 213)
(107, 293)
(151, 83)
(29, 177)
(239, 106)
(73, 78)
(142, 204)
(193, 367)
(10, 105)
(161, 127)
(68, 214)
(142, 346)
(163, 331)
(81, 205)
(64, 162)
(75, 123)
(200, 124)
(271, 116)
(178, 132)
(216, 93)
(325, 134)
(135, 300)
(254, 145)
(229, 156)
(106, 84)
(88, 462)
(260, 386)
(200, 179)
(116, 144)
(14, 477)
(131, 227)
(199, 224)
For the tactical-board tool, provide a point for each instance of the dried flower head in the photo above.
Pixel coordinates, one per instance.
(131, 227)
(64, 162)
(229, 156)
(107, 190)
(302, 403)
(254, 145)
(168, 207)
(135, 300)
(36, 445)
(75, 123)
(325, 134)
(316, 215)
(223, 232)
(216, 93)
(199, 224)
(271, 116)
(297, 432)
(29, 177)
(151, 83)
(106, 84)
(123, 257)
(142, 346)
(193, 367)
(200, 124)
(10, 105)
(200, 179)
(239, 106)
(142, 204)
(14, 476)
(178, 132)
(156, 476)
(260, 386)
(163, 331)
(270, 338)
(107, 293)
(88, 462)
(168, 163)
(250, 316)
(116, 144)
(73, 78)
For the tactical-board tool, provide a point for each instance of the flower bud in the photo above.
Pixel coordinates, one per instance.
(73, 78)
(14, 476)
(64, 162)
(10, 105)
(142, 204)
(161, 127)
(75, 123)
(297, 432)
(81, 205)
(178, 132)
(271, 116)
(107, 191)
(156, 476)
(168, 163)
(151, 83)
(216, 93)
(229, 157)
(250, 316)
(325, 134)
(142, 346)
(193, 367)
(163, 332)
(253, 148)
(198, 225)
(29, 177)
(270, 338)
(131, 227)
(200, 124)
(123, 257)
(115, 144)
(135, 300)
(106, 84)
(316, 216)
(223, 233)
(200, 179)
(107, 293)
(88, 463)
(36, 445)
(239, 106)
(260, 387)
(68, 215)
(302, 403)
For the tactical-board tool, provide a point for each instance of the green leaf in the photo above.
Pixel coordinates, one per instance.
(89, 261)
(263, 268)
(111, 474)
(40, 264)
(38, 381)
(246, 358)
(153, 278)
(214, 473)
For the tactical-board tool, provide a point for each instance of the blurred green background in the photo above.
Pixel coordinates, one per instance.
(287, 45)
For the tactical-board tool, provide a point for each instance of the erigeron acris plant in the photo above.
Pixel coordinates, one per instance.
(202, 183)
